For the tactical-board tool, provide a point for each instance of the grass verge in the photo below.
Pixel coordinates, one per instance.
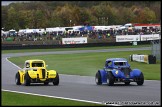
(87, 64)
(18, 99)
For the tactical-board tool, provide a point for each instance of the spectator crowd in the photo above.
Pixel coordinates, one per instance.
(93, 34)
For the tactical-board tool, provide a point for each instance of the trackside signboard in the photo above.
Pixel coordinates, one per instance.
(140, 58)
(131, 38)
(127, 38)
(150, 37)
(149, 59)
(81, 40)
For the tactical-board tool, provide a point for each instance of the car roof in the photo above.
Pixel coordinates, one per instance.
(116, 59)
(34, 60)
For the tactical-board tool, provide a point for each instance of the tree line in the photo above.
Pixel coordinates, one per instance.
(45, 14)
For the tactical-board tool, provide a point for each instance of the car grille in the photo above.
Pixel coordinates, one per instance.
(126, 71)
(43, 73)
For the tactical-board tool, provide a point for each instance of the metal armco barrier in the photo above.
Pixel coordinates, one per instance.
(40, 46)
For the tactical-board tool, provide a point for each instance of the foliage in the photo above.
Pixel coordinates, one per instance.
(44, 14)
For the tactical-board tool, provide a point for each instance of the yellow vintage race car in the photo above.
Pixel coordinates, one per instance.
(35, 71)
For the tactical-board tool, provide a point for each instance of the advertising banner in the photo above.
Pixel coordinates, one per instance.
(140, 58)
(131, 38)
(127, 38)
(150, 37)
(81, 40)
(149, 59)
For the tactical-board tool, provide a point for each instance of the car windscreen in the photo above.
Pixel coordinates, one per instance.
(37, 64)
(118, 63)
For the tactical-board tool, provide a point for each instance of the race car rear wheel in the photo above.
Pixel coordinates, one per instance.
(17, 78)
(56, 80)
(98, 78)
(26, 79)
(110, 79)
(141, 79)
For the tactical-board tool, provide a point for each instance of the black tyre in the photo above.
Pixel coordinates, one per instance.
(46, 83)
(17, 78)
(130, 58)
(98, 78)
(127, 83)
(141, 79)
(56, 80)
(26, 79)
(110, 79)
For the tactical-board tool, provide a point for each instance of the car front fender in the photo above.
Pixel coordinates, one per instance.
(103, 75)
(22, 73)
(135, 73)
(51, 73)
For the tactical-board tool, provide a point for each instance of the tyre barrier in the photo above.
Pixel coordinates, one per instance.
(149, 59)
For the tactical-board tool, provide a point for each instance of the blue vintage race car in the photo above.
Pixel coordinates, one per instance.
(118, 70)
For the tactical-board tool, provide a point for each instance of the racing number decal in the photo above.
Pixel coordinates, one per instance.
(116, 72)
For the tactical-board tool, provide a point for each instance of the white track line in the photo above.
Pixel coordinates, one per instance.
(12, 63)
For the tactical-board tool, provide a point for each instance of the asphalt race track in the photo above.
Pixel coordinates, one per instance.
(84, 87)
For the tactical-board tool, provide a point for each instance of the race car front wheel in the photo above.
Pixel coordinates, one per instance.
(56, 80)
(98, 78)
(141, 79)
(17, 78)
(110, 79)
(26, 79)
